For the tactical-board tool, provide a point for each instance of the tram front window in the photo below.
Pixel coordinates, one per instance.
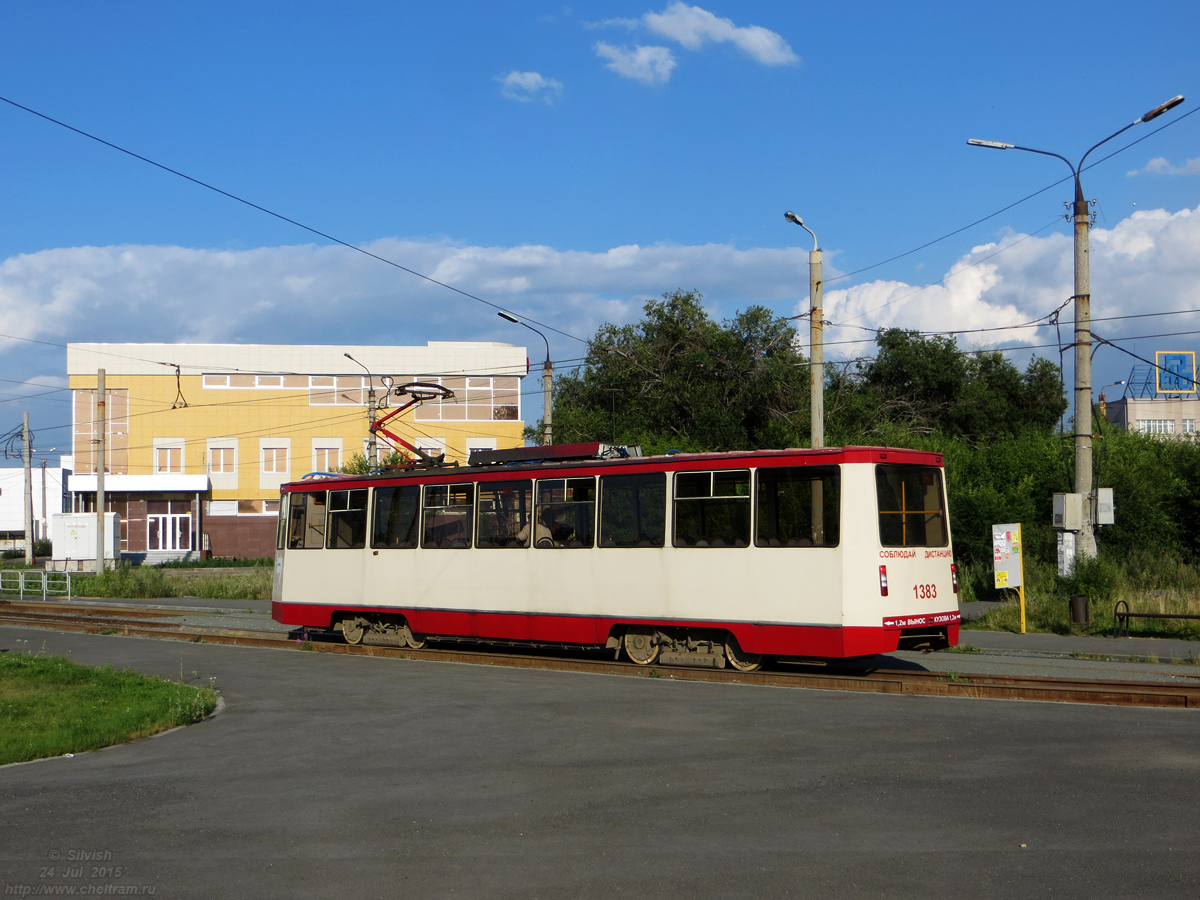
(912, 510)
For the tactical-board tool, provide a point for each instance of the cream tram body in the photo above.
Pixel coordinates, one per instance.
(825, 553)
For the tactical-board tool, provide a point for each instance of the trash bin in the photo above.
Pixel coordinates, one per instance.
(1079, 610)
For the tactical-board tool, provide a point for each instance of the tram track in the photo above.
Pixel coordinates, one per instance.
(141, 622)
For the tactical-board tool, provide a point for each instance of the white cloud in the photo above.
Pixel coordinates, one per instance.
(649, 65)
(1160, 165)
(529, 86)
(309, 294)
(693, 27)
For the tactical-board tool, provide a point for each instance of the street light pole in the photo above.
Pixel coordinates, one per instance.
(1085, 541)
(372, 408)
(547, 378)
(816, 337)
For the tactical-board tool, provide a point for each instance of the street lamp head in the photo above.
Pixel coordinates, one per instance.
(1159, 110)
(509, 317)
(995, 145)
(793, 218)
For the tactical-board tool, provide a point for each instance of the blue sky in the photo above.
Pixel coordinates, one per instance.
(568, 163)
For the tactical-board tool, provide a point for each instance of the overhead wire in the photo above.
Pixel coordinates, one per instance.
(280, 216)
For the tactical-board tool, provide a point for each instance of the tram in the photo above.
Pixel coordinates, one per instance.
(705, 559)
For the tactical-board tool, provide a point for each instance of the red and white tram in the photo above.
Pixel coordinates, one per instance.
(691, 559)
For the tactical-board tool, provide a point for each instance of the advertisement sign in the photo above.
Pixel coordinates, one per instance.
(1176, 371)
(1006, 555)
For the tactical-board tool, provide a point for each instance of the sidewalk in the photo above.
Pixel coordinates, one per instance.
(1059, 645)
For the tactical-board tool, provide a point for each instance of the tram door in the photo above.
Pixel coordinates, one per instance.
(169, 525)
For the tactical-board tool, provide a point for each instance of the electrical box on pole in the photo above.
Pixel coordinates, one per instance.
(1105, 507)
(1068, 512)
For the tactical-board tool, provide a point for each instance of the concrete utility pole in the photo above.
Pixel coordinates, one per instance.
(102, 425)
(1085, 540)
(28, 491)
(372, 411)
(816, 337)
(547, 380)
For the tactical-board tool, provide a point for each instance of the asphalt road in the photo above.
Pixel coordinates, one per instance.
(329, 775)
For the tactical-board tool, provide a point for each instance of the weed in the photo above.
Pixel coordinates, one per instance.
(962, 648)
(654, 673)
(306, 645)
(108, 631)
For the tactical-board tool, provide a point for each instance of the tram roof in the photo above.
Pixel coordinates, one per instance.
(547, 462)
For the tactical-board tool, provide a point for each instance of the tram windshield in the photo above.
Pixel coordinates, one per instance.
(912, 509)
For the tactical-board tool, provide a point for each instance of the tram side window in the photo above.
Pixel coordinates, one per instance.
(447, 521)
(565, 513)
(306, 524)
(396, 517)
(347, 520)
(712, 509)
(633, 510)
(798, 507)
(505, 512)
(912, 511)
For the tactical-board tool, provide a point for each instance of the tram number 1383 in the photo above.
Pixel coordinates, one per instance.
(925, 591)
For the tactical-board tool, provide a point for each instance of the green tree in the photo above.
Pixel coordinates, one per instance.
(677, 379)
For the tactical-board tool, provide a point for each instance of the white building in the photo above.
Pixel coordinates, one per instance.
(49, 497)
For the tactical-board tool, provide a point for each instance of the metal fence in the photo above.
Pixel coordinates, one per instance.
(34, 583)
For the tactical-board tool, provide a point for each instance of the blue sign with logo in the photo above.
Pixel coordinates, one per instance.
(1176, 371)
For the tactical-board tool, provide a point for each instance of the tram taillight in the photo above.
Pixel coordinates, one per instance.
(883, 581)
(954, 576)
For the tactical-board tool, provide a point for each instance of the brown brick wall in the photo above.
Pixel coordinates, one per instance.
(241, 536)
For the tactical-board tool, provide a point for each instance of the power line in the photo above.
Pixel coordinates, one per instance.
(280, 216)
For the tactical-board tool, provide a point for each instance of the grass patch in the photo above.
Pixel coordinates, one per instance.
(145, 582)
(961, 648)
(1148, 582)
(50, 706)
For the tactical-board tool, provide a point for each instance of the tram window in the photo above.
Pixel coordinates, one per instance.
(798, 507)
(712, 509)
(912, 512)
(306, 524)
(447, 519)
(347, 520)
(281, 527)
(633, 510)
(395, 522)
(566, 513)
(505, 511)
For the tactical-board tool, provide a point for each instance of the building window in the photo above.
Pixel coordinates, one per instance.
(476, 399)
(1156, 426)
(220, 460)
(327, 459)
(168, 460)
(1189, 426)
(275, 460)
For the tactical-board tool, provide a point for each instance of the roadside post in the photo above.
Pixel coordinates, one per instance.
(1008, 564)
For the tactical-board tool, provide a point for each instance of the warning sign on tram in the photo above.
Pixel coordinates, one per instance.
(1006, 555)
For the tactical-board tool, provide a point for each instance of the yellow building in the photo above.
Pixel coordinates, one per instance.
(199, 437)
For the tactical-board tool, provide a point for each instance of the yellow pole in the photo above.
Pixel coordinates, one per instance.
(1021, 586)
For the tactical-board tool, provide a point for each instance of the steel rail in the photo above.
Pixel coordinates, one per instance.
(876, 681)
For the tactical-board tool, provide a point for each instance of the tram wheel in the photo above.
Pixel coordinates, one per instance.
(739, 659)
(640, 647)
(414, 640)
(353, 630)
